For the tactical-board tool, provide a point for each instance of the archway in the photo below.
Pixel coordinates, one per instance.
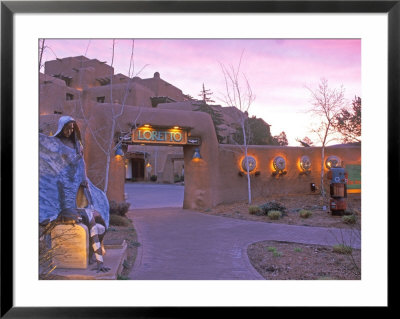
(201, 174)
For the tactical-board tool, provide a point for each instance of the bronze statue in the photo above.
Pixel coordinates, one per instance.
(65, 190)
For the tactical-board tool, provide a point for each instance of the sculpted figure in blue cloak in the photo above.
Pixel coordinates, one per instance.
(65, 191)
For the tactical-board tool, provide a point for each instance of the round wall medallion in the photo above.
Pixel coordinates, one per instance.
(252, 163)
(279, 163)
(305, 163)
(332, 161)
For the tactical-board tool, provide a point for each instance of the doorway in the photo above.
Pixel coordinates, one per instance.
(137, 169)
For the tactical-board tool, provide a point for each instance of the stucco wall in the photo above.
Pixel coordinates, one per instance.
(162, 88)
(83, 71)
(137, 94)
(214, 178)
(53, 96)
(232, 186)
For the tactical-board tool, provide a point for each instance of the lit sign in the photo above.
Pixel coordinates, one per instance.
(151, 135)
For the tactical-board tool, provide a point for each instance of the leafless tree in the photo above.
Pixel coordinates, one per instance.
(238, 93)
(109, 144)
(326, 105)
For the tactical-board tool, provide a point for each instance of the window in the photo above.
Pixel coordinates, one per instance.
(101, 99)
(69, 97)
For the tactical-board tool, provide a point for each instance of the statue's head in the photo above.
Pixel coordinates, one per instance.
(68, 128)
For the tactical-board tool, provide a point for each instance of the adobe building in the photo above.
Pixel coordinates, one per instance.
(160, 134)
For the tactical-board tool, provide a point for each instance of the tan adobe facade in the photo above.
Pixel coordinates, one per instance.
(217, 177)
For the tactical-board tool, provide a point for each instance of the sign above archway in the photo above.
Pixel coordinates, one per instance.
(163, 135)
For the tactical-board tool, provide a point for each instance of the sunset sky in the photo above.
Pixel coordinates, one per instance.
(278, 70)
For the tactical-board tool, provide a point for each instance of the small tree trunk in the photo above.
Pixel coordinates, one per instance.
(322, 172)
(247, 164)
(109, 156)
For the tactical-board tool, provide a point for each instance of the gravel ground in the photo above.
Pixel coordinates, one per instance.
(293, 204)
(288, 261)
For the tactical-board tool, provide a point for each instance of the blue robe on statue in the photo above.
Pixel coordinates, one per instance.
(62, 171)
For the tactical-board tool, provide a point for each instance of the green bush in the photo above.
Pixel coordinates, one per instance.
(274, 251)
(349, 219)
(342, 249)
(119, 209)
(116, 220)
(274, 214)
(273, 205)
(277, 254)
(254, 210)
(305, 213)
(153, 178)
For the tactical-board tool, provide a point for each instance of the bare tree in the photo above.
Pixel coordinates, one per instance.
(326, 105)
(104, 143)
(238, 93)
(41, 50)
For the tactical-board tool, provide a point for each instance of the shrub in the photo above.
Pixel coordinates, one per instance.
(349, 219)
(274, 251)
(342, 249)
(153, 178)
(272, 205)
(254, 210)
(305, 213)
(177, 178)
(116, 220)
(277, 254)
(119, 209)
(274, 214)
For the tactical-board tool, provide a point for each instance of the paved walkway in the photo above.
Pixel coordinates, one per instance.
(181, 244)
(152, 195)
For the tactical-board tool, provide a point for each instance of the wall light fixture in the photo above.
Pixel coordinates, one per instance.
(196, 154)
(332, 161)
(252, 163)
(279, 165)
(305, 165)
(119, 151)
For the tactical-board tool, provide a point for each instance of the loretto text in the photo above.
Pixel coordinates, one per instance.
(160, 136)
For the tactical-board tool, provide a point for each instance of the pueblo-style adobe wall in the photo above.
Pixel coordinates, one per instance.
(82, 88)
(233, 180)
(215, 178)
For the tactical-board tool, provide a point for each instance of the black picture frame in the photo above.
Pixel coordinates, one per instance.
(9, 8)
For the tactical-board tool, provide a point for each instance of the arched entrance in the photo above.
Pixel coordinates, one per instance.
(189, 130)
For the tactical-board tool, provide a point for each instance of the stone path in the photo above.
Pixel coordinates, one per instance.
(179, 244)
